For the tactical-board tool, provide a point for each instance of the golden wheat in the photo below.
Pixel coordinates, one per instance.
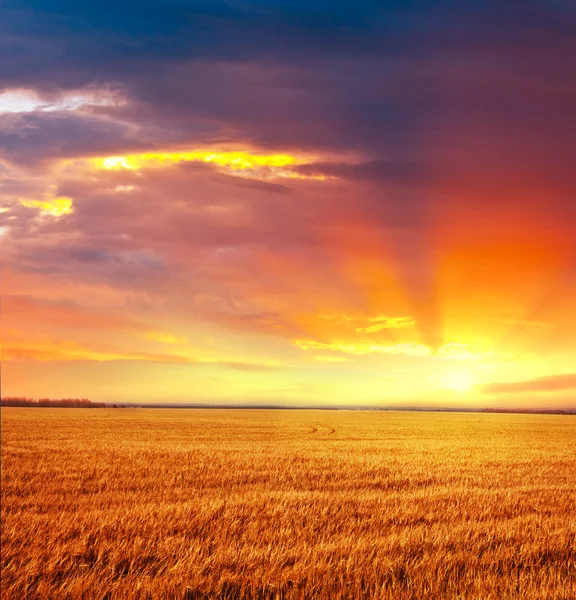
(135, 503)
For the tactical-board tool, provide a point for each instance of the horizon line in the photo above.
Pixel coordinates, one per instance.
(408, 408)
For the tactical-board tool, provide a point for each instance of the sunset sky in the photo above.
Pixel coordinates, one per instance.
(289, 202)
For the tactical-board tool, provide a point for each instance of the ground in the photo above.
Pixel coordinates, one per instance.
(150, 503)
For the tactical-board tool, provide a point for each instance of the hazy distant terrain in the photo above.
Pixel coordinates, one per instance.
(287, 504)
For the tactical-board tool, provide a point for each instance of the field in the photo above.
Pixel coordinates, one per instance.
(186, 504)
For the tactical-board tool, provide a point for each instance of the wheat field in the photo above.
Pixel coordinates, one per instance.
(151, 503)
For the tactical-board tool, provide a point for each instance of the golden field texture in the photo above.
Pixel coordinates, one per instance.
(147, 503)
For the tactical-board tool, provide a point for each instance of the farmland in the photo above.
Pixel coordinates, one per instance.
(152, 503)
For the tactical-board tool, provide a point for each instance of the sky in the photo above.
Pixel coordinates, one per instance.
(286, 202)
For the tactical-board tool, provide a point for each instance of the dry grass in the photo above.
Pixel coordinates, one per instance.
(286, 504)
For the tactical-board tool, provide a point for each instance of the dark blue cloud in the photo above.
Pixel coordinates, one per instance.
(415, 82)
(67, 42)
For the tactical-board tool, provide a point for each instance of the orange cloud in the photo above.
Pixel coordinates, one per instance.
(411, 349)
(29, 312)
(48, 350)
(380, 323)
(165, 338)
(548, 383)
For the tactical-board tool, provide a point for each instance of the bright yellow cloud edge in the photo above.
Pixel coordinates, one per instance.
(55, 207)
(240, 162)
(277, 165)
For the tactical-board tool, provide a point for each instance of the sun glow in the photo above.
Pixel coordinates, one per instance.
(460, 382)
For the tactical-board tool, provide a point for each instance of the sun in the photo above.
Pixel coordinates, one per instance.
(460, 382)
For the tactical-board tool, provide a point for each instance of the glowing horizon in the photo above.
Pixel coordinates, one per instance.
(348, 228)
(319, 329)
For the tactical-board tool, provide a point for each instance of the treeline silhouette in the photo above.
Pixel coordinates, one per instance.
(51, 402)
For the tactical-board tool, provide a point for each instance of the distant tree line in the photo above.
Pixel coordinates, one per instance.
(532, 411)
(51, 402)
